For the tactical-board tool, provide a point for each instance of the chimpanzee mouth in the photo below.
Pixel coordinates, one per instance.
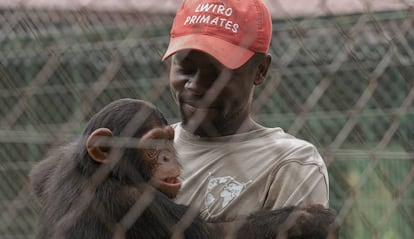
(170, 186)
(172, 180)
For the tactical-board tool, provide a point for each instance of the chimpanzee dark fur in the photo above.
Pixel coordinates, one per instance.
(80, 198)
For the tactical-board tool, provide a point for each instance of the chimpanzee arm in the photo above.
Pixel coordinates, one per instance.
(45, 174)
(41, 173)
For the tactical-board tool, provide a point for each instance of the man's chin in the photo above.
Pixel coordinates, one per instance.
(194, 115)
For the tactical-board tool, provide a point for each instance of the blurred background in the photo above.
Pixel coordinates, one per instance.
(342, 78)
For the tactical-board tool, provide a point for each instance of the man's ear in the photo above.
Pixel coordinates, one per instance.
(97, 151)
(262, 69)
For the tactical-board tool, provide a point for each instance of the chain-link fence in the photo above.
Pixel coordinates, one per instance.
(343, 82)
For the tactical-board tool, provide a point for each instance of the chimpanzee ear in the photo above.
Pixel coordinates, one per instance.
(96, 150)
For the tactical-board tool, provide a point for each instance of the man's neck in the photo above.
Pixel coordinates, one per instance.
(211, 131)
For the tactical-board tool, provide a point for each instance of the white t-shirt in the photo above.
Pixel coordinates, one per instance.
(232, 176)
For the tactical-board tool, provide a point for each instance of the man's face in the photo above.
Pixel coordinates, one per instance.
(213, 100)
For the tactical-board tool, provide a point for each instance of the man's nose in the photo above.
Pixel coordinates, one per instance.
(199, 83)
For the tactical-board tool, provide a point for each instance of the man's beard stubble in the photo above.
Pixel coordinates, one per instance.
(198, 125)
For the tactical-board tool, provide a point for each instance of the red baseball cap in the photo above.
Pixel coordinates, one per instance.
(229, 30)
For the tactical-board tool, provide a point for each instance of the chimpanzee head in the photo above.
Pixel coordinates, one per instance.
(134, 138)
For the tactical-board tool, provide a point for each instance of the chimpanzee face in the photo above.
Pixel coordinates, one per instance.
(156, 156)
(158, 151)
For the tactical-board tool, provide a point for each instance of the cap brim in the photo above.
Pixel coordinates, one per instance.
(230, 55)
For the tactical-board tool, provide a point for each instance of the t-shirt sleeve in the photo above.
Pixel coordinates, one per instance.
(296, 183)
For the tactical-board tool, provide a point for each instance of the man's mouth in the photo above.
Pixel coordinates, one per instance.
(191, 105)
(197, 102)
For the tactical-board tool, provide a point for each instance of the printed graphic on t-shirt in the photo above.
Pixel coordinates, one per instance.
(220, 192)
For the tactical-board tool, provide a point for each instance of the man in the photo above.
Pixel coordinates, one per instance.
(231, 165)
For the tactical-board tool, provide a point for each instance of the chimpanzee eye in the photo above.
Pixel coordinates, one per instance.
(165, 155)
(151, 154)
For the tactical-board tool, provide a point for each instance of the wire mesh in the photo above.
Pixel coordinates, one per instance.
(343, 82)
